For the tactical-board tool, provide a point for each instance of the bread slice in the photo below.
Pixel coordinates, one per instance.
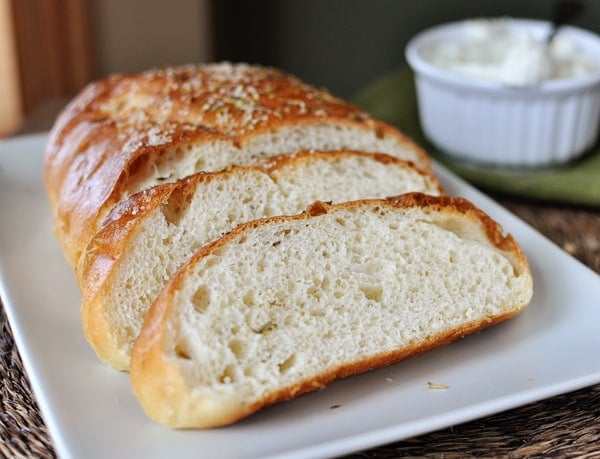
(285, 305)
(127, 133)
(150, 235)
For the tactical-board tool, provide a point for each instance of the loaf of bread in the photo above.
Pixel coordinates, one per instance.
(285, 305)
(148, 236)
(127, 133)
(178, 196)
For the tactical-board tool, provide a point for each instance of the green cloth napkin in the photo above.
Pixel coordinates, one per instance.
(392, 98)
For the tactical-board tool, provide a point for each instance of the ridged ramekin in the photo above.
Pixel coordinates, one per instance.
(545, 124)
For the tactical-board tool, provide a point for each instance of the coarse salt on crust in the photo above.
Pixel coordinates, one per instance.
(230, 99)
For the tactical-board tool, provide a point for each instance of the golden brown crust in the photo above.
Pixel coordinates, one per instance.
(150, 363)
(119, 126)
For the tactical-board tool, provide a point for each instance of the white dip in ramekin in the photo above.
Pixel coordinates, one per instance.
(493, 51)
(492, 92)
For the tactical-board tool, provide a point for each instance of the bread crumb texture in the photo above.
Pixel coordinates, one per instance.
(284, 302)
(202, 208)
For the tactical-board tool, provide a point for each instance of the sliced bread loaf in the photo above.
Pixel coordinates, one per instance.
(127, 133)
(285, 305)
(147, 237)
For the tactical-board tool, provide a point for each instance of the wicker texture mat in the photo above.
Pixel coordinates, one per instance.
(563, 426)
(22, 430)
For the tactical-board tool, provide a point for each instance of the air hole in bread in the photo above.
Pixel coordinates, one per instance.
(452, 256)
(228, 376)
(249, 298)
(237, 348)
(182, 351)
(199, 165)
(287, 364)
(176, 206)
(265, 328)
(314, 291)
(201, 299)
(372, 292)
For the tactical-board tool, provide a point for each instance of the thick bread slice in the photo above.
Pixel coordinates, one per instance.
(151, 234)
(127, 133)
(286, 305)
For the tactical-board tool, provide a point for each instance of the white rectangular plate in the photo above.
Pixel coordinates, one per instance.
(551, 348)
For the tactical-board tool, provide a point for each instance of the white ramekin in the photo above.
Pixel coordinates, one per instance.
(489, 123)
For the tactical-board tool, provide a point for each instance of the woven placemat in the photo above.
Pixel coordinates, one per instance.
(564, 426)
(22, 430)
